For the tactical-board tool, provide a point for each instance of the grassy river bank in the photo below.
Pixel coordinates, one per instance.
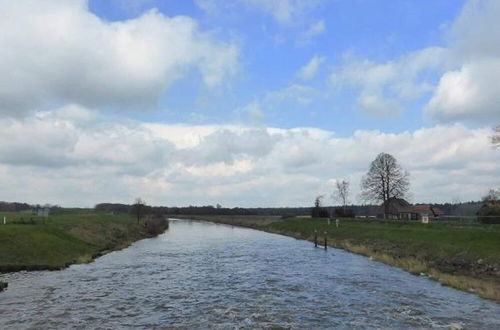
(63, 239)
(464, 256)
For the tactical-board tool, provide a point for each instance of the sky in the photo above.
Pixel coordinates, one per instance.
(245, 102)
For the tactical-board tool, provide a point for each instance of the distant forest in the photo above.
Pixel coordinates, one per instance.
(457, 209)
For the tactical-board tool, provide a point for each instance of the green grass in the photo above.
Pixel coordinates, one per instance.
(63, 239)
(441, 240)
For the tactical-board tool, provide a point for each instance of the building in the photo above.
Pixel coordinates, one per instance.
(426, 211)
(397, 209)
(400, 209)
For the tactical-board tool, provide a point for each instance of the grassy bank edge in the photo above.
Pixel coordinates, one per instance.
(482, 287)
(83, 257)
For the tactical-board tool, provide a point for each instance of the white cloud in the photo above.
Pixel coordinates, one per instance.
(284, 11)
(468, 68)
(56, 51)
(294, 93)
(254, 112)
(471, 90)
(314, 30)
(309, 70)
(81, 158)
(385, 87)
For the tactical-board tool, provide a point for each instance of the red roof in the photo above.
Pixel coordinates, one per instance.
(431, 210)
(422, 208)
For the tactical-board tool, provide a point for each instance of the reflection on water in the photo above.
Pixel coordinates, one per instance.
(202, 275)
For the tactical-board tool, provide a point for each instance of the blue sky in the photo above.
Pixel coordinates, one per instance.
(245, 102)
(272, 52)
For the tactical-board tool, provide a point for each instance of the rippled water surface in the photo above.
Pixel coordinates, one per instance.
(202, 275)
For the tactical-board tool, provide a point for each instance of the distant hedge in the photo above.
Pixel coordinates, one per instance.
(489, 213)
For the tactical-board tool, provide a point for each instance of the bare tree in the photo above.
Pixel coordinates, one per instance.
(139, 208)
(493, 195)
(385, 179)
(341, 193)
(495, 139)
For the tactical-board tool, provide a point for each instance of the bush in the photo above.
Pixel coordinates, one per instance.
(156, 224)
(320, 212)
(489, 213)
(339, 212)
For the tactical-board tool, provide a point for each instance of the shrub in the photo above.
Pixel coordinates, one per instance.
(489, 213)
(320, 212)
(341, 213)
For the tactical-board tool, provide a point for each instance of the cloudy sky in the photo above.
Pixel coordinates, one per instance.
(245, 102)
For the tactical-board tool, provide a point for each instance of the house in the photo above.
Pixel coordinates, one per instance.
(398, 209)
(426, 211)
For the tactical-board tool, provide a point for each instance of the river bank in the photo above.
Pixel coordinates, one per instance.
(463, 256)
(64, 239)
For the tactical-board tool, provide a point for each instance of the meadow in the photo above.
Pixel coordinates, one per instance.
(28, 242)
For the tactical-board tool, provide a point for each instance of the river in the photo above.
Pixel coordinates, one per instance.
(201, 275)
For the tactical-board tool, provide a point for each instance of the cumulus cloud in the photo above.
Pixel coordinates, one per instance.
(57, 51)
(470, 91)
(309, 70)
(466, 68)
(384, 88)
(81, 158)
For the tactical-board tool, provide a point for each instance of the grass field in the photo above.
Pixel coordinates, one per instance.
(441, 240)
(463, 255)
(64, 238)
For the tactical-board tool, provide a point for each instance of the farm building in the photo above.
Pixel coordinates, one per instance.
(397, 209)
(400, 209)
(422, 211)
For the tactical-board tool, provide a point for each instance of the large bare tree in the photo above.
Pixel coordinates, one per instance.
(495, 139)
(341, 193)
(385, 179)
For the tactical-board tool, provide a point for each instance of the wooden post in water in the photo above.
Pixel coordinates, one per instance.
(326, 242)
(315, 238)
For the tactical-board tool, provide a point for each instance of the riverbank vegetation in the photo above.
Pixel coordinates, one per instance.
(31, 243)
(463, 255)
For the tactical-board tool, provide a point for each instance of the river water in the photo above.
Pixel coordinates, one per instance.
(201, 275)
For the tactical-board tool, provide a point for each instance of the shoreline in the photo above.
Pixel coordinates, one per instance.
(86, 241)
(377, 251)
(83, 259)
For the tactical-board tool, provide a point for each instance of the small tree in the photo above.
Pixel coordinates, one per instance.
(318, 211)
(341, 193)
(493, 195)
(495, 139)
(385, 180)
(139, 208)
